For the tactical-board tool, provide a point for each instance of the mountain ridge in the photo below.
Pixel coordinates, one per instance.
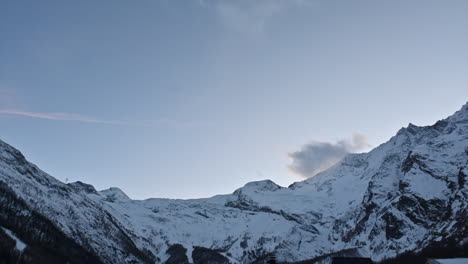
(403, 195)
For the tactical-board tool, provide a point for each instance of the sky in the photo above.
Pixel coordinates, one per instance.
(192, 98)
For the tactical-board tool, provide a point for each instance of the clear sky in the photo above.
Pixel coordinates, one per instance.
(191, 98)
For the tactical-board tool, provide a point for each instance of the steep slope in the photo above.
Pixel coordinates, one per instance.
(38, 196)
(404, 195)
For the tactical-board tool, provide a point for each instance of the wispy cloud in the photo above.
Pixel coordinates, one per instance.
(315, 157)
(178, 123)
(252, 16)
(88, 119)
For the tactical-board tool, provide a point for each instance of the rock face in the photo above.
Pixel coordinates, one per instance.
(403, 195)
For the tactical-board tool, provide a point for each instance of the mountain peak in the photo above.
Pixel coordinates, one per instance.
(82, 187)
(462, 113)
(114, 194)
(261, 186)
(403, 195)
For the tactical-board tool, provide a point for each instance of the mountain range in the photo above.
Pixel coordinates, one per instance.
(407, 194)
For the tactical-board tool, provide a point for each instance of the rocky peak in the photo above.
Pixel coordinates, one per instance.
(259, 186)
(402, 195)
(114, 194)
(82, 187)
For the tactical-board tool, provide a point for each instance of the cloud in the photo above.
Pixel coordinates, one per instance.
(60, 116)
(251, 16)
(315, 157)
(178, 124)
(87, 119)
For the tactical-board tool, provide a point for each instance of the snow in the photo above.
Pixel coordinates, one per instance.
(426, 186)
(20, 245)
(309, 219)
(451, 261)
(114, 194)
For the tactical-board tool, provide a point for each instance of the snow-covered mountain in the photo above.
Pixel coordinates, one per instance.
(403, 195)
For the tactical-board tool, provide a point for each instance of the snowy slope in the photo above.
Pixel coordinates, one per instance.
(73, 213)
(19, 245)
(403, 195)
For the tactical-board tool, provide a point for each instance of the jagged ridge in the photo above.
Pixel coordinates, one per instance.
(404, 195)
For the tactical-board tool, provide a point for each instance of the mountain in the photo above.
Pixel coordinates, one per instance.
(405, 195)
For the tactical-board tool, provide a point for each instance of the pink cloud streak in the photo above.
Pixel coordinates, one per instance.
(60, 116)
(87, 119)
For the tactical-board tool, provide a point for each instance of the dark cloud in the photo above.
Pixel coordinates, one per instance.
(315, 157)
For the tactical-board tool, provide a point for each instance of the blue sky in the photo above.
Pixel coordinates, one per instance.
(185, 99)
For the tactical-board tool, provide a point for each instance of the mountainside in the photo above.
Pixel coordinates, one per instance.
(406, 194)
